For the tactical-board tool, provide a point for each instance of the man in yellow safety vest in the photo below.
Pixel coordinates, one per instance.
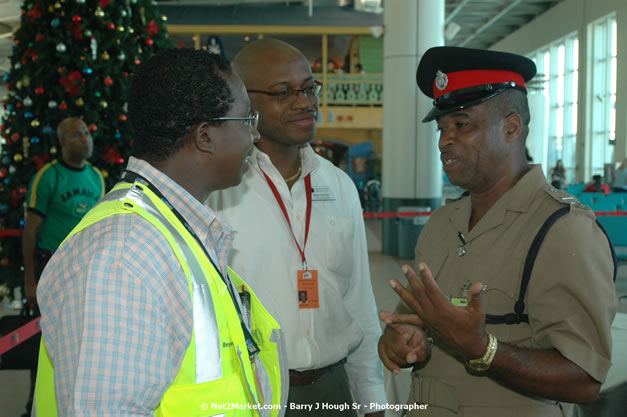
(140, 313)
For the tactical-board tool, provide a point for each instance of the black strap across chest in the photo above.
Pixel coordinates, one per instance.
(517, 316)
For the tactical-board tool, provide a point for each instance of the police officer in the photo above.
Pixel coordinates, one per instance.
(555, 345)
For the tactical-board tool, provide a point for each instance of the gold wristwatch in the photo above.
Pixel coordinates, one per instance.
(483, 363)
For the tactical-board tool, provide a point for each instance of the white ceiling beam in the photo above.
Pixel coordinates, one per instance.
(456, 11)
(491, 22)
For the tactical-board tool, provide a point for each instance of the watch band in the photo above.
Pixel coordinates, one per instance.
(483, 363)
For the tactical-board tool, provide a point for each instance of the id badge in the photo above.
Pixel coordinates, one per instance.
(308, 289)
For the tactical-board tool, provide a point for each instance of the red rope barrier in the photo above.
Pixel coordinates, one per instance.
(395, 214)
(20, 335)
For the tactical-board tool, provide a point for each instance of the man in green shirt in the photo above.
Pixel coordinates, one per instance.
(59, 195)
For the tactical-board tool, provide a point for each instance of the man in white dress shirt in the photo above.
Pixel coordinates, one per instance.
(300, 235)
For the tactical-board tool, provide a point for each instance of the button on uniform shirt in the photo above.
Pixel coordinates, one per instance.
(570, 299)
(116, 309)
(264, 252)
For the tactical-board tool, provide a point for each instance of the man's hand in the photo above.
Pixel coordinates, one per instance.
(462, 329)
(403, 342)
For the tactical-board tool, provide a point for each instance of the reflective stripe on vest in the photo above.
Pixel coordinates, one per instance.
(186, 395)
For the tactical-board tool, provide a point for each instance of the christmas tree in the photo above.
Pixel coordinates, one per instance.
(70, 58)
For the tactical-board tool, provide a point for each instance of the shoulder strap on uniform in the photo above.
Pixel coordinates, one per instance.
(517, 316)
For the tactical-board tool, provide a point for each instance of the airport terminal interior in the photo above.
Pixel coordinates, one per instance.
(365, 53)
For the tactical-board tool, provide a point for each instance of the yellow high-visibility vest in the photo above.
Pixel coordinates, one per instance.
(216, 376)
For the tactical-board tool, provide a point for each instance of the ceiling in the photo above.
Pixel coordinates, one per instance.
(471, 23)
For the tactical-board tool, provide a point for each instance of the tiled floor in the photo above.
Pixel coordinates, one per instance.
(14, 384)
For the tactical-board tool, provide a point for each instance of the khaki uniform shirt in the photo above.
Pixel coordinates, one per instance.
(570, 299)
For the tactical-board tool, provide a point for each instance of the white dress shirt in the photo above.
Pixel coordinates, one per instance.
(266, 256)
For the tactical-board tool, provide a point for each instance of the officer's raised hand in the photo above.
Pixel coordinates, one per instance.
(460, 328)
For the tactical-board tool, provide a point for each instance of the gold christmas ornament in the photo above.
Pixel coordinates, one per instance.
(34, 123)
(99, 12)
(17, 157)
(26, 80)
(25, 146)
(18, 84)
(57, 5)
(104, 104)
(105, 56)
(53, 150)
(79, 102)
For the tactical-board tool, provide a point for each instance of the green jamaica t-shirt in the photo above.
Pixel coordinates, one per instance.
(62, 195)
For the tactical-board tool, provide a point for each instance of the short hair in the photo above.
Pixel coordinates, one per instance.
(513, 101)
(171, 92)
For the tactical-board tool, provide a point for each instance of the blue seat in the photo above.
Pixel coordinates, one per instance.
(616, 229)
(618, 199)
(590, 199)
(575, 189)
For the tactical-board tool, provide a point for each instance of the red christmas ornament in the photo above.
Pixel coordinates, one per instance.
(76, 19)
(76, 29)
(73, 83)
(122, 118)
(110, 26)
(39, 91)
(63, 106)
(92, 127)
(111, 155)
(9, 85)
(4, 262)
(108, 81)
(104, 3)
(15, 137)
(3, 172)
(40, 37)
(40, 160)
(149, 42)
(34, 13)
(137, 61)
(19, 104)
(152, 29)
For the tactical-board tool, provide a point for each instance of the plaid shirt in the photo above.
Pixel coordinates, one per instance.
(116, 309)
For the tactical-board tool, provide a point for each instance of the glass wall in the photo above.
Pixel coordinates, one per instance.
(553, 99)
(603, 93)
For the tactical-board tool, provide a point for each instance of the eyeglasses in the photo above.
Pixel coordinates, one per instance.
(311, 92)
(252, 120)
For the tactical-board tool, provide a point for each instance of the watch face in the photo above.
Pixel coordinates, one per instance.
(478, 365)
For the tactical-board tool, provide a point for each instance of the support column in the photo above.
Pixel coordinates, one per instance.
(412, 171)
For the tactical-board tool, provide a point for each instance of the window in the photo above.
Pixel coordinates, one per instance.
(553, 103)
(603, 98)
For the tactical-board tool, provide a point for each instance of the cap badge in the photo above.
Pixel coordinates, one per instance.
(441, 80)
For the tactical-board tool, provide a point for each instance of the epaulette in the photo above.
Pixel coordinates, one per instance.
(563, 197)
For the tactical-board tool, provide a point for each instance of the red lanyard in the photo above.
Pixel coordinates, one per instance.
(279, 200)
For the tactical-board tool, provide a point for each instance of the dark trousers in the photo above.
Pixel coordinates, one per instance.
(329, 396)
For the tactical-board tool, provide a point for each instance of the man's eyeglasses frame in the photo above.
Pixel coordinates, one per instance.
(316, 88)
(252, 120)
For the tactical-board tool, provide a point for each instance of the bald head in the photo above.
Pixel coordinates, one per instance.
(64, 125)
(252, 58)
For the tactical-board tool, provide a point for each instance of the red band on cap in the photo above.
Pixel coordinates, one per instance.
(471, 78)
